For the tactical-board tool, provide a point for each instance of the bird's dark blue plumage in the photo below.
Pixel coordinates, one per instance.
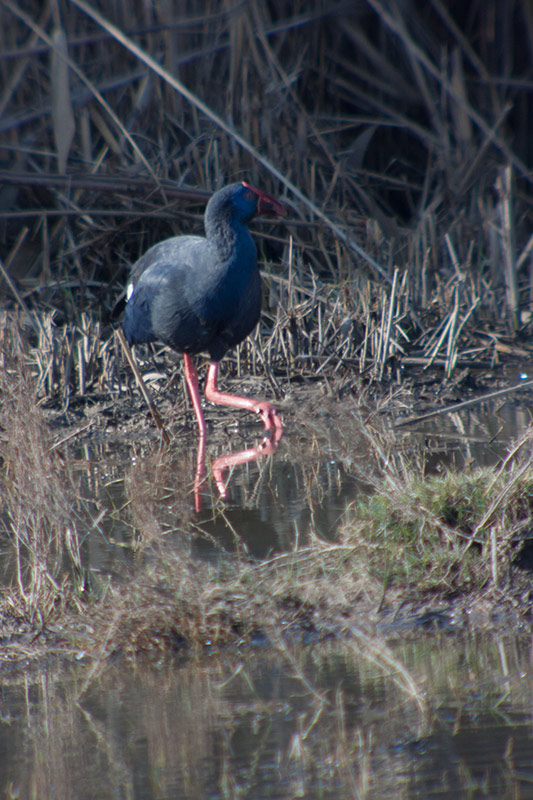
(203, 294)
(200, 294)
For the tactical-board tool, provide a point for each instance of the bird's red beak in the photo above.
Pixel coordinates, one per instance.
(267, 205)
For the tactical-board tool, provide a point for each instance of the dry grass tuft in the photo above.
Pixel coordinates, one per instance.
(449, 533)
(40, 511)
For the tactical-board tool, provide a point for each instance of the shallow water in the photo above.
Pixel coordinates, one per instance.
(274, 503)
(441, 716)
(478, 437)
(447, 718)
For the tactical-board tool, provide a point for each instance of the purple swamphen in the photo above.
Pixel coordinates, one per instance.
(198, 294)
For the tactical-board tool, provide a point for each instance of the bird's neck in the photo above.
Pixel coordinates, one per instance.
(230, 239)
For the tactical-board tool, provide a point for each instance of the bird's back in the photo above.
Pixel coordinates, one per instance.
(184, 295)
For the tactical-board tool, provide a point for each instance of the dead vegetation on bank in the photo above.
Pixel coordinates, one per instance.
(452, 542)
(398, 134)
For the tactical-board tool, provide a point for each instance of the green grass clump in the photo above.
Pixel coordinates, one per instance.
(443, 532)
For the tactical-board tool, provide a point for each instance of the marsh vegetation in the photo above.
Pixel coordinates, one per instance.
(401, 283)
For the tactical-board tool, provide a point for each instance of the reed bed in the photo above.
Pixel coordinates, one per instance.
(397, 136)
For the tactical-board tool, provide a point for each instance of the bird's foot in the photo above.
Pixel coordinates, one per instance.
(268, 415)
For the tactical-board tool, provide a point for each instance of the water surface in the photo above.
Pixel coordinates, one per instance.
(448, 717)
(440, 715)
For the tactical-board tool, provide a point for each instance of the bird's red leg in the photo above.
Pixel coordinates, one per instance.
(199, 478)
(266, 411)
(191, 376)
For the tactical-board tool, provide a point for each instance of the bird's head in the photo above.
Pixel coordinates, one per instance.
(240, 202)
(263, 202)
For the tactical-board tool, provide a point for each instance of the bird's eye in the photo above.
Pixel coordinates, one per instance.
(248, 195)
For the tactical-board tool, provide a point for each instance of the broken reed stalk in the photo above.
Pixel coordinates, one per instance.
(494, 555)
(451, 346)
(143, 387)
(465, 404)
(386, 339)
(13, 287)
(504, 188)
(444, 335)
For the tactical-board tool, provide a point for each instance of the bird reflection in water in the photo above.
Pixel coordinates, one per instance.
(267, 446)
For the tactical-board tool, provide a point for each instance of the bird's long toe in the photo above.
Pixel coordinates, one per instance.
(269, 416)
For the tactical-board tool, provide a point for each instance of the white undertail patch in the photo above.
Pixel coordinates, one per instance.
(129, 290)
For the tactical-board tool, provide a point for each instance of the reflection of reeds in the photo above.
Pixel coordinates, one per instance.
(239, 724)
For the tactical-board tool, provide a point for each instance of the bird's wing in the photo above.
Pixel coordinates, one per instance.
(167, 298)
